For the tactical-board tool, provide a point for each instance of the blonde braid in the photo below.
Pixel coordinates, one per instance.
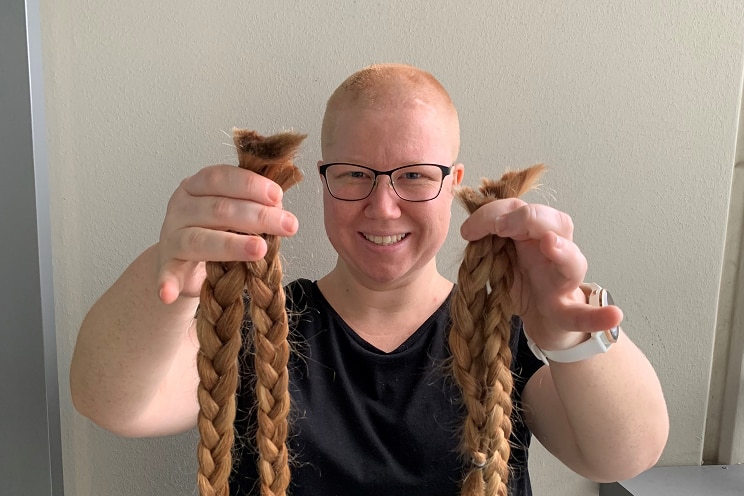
(479, 340)
(467, 344)
(219, 323)
(220, 315)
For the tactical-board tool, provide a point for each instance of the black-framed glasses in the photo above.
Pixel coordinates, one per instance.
(414, 183)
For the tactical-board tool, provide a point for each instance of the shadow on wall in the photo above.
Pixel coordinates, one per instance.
(125, 465)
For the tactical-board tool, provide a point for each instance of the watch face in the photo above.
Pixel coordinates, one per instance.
(613, 333)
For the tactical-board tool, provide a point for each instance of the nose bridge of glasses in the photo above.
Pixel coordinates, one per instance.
(389, 174)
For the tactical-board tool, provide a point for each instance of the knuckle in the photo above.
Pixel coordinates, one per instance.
(185, 184)
(213, 177)
(222, 208)
(509, 205)
(192, 241)
(249, 180)
(529, 218)
(264, 217)
(582, 261)
(177, 196)
(231, 245)
(567, 225)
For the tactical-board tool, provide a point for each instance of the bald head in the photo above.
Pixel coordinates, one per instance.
(384, 86)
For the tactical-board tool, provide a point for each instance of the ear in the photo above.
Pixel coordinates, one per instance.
(320, 162)
(458, 172)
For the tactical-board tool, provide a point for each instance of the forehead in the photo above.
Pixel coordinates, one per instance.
(392, 136)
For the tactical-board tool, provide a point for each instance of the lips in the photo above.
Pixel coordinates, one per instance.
(384, 240)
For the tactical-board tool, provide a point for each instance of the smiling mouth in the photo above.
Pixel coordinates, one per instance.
(384, 240)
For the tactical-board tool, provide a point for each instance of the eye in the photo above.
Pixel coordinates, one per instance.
(412, 175)
(419, 174)
(348, 173)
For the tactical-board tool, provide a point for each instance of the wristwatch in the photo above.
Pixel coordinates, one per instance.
(599, 342)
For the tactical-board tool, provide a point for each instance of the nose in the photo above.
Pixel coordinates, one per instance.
(383, 202)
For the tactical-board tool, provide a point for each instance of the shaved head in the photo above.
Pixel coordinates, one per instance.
(383, 86)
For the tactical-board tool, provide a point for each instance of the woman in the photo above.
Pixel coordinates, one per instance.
(133, 370)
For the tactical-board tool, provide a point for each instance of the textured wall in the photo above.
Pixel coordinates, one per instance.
(634, 107)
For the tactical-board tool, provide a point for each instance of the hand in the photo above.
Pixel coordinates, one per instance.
(200, 214)
(549, 271)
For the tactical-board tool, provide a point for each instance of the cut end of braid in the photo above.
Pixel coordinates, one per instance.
(512, 184)
(271, 156)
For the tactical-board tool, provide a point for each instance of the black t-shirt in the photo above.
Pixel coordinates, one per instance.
(365, 422)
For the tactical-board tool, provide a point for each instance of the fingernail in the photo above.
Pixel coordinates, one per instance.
(289, 223)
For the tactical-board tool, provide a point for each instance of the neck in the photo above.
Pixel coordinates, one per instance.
(385, 315)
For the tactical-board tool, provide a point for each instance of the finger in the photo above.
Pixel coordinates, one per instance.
(582, 317)
(229, 214)
(181, 274)
(170, 281)
(198, 244)
(233, 182)
(568, 264)
(533, 221)
(482, 222)
(168, 291)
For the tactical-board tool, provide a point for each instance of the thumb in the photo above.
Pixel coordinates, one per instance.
(171, 279)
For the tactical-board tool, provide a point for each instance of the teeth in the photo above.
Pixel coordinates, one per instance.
(384, 240)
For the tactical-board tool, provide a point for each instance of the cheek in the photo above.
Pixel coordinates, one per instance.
(328, 215)
(444, 221)
(436, 221)
(335, 214)
(444, 207)
(443, 217)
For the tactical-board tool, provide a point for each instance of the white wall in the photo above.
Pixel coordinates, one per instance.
(634, 107)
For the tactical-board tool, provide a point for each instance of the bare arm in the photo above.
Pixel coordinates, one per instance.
(605, 417)
(133, 370)
(134, 367)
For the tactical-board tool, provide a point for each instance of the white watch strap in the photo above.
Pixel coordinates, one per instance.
(596, 344)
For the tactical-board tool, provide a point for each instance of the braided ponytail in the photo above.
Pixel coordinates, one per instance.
(219, 322)
(479, 340)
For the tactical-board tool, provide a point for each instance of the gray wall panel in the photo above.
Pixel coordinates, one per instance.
(30, 452)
